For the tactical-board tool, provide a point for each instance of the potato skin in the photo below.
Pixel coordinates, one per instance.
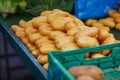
(69, 46)
(54, 34)
(117, 26)
(103, 34)
(107, 22)
(86, 41)
(45, 66)
(42, 59)
(78, 70)
(108, 40)
(111, 12)
(86, 31)
(90, 70)
(85, 77)
(89, 22)
(47, 48)
(63, 40)
(97, 55)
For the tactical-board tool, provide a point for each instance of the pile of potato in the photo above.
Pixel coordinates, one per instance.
(112, 21)
(59, 30)
(89, 72)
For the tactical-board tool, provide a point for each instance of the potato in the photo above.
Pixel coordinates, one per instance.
(89, 22)
(54, 34)
(69, 46)
(22, 23)
(20, 34)
(45, 29)
(87, 58)
(78, 22)
(45, 13)
(117, 26)
(97, 24)
(87, 55)
(110, 18)
(106, 52)
(45, 66)
(58, 10)
(24, 40)
(107, 22)
(106, 28)
(63, 41)
(77, 71)
(58, 37)
(44, 43)
(31, 47)
(42, 59)
(69, 25)
(38, 20)
(33, 37)
(97, 55)
(72, 31)
(111, 12)
(92, 32)
(16, 28)
(59, 23)
(108, 40)
(25, 24)
(116, 15)
(103, 34)
(31, 30)
(117, 20)
(103, 27)
(85, 77)
(90, 70)
(56, 14)
(35, 52)
(47, 48)
(94, 70)
(86, 41)
(41, 41)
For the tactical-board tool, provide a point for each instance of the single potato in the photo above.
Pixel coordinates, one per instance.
(45, 29)
(42, 59)
(85, 77)
(86, 41)
(45, 66)
(69, 46)
(97, 55)
(54, 34)
(117, 26)
(90, 70)
(47, 48)
(63, 41)
(107, 22)
(73, 31)
(103, 34)
(45, 13)
(90, 22)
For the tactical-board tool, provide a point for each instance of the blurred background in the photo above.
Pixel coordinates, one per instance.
(11, 66)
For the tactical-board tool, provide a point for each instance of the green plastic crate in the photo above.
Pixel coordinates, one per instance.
(60, 61)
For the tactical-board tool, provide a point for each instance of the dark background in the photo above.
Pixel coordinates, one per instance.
(11, 66)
